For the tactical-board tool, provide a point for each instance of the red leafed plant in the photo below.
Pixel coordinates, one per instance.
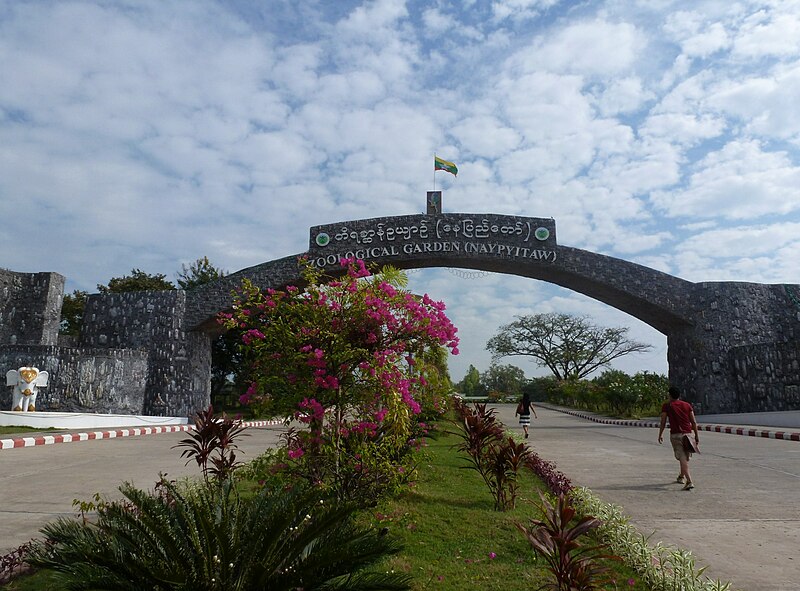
(495, 457)
(574, 566)
(211, 435)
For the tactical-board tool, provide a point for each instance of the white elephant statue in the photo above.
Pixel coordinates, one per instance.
(26, 382)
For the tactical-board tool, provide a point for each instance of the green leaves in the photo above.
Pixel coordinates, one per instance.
(570, 346)
(209, 538)
(341, 356)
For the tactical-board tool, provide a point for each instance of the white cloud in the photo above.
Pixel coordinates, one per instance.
(485, 136)
(749, 241)
(697, 36)
(519, 9)
(645, 166)
(588, 48)
(682, 128)
(764, 104)
(770, 32)
(623, 96)
(372, 19)
(707, 42)
(739, 181)
(436, 22)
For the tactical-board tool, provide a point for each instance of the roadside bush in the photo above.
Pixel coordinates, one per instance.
(613, 392)
(369, 461)
(209, 536)
(358, 360)
(618, 395)
(541, 389)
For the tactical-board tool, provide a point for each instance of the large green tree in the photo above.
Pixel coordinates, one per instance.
(572, 347)
(198, 273)
(471, 384)
(505, 380)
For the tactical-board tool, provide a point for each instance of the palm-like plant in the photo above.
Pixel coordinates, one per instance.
(209, 538)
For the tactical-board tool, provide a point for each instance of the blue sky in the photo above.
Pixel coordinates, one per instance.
(148, 134)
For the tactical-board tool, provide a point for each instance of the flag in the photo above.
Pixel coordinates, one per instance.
(440, 164)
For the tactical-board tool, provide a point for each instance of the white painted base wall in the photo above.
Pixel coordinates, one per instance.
(74, 420)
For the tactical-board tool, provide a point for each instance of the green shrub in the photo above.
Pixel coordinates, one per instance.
(210, 538)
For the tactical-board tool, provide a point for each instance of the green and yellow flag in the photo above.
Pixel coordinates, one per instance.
(440, 164)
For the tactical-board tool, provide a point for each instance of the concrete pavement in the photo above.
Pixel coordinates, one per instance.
(39, 483)
(742, 520)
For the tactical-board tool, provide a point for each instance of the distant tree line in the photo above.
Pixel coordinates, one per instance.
(613, 392)
(572, 348)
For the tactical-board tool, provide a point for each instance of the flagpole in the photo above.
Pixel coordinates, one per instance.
(434, 171)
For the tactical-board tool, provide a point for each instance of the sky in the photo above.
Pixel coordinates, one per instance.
(147, 134)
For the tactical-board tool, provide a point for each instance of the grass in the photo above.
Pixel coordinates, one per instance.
(450, 531)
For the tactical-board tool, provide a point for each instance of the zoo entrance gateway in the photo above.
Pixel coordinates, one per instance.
(732, 346)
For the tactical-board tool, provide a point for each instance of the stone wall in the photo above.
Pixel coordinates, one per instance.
(30, 307)
(179, 362)
(767, 377)
(82, 379)
(726, 317)
(704, 322)
(204, 302)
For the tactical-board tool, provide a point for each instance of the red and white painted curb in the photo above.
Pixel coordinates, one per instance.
(16, 442)
(733, 430)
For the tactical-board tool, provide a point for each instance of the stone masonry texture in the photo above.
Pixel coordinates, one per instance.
(732, 346)
(30, 307)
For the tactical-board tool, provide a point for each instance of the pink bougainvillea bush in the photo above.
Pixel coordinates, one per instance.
(357, 360)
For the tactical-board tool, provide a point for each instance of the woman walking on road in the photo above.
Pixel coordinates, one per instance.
(524, 409)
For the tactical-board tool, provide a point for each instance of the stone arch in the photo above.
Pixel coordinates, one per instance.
(732, 346)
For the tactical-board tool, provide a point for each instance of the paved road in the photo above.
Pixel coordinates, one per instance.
(38, 484)
(742, 520)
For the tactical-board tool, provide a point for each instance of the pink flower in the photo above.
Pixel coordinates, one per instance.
(492, 555)
(252, 334)
(295, 453)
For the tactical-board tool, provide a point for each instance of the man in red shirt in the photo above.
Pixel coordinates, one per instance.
(681, 424)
